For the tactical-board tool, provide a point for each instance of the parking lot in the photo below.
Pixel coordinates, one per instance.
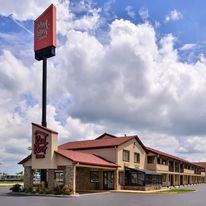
(109, 199)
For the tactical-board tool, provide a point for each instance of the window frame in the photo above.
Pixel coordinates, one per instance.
(94, 176)
(123, 157)
(137, 160)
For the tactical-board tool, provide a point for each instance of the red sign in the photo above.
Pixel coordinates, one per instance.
(45, 29)
(40, 144)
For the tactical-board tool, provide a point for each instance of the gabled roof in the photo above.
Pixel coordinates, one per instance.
(85, 158)
(106, 136)
(25, 159)
(201, 164)
(45, 128)
(100, 142)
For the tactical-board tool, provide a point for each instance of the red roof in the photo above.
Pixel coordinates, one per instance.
(100, 142)
(85, 158)
(25, 159)
(201, 164)
(168, 155)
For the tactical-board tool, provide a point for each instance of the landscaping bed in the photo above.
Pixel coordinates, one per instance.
(41, 190)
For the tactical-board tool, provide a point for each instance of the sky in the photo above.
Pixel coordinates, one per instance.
(121, 67)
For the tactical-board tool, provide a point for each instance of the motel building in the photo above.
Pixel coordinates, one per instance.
(106, 163)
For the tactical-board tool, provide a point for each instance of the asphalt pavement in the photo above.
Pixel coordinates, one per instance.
(109, 199)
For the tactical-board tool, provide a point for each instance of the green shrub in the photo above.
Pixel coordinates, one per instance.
(46, 191)
(29, 190)
(58, 190)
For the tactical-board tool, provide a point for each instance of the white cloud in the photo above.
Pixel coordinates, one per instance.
(187, 47)
(130, 11)
(144, 13)
(133, 84)
(174, 16)
(24, 9)
(66, 20)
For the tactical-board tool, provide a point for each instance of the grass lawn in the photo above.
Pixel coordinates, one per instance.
(176, 191)
(5, 184)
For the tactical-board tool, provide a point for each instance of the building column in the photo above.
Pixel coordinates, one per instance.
(28, 177)
(70, 177)
(179, 180)
(116, 178)
(51, 179)
(174, 182)
(155, 160)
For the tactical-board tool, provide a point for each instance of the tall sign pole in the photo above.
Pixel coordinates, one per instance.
(44, 47)
(44, 92)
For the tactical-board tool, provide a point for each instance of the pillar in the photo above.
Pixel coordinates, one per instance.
(51, 179)
(167, 180)
(28, 177)
(70, 177)
(116, 178)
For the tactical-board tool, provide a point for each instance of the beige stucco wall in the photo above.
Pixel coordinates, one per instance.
(49, 162)
(62, 161)
(106, 153)
(27, 163)
(133, 146)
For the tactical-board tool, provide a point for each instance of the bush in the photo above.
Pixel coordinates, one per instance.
(67, 189)
(29, 190)
(16, 188)
(58, 190)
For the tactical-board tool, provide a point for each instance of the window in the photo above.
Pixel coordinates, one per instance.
(121, 176)
(136, 157)
(134, 178)
(150, 159)
(59, 176)
(164, 178)
(152, 179)
(94, 176)
(126, 155)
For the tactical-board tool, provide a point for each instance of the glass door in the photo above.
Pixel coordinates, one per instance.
(108, 180)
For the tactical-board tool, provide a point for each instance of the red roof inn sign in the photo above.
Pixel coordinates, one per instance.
(40, 144)
(45, 34)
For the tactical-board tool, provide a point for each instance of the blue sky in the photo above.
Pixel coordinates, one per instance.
(122, 67)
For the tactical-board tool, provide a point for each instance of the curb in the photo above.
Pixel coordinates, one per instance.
(41, 195)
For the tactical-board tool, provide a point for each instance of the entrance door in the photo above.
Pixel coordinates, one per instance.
(108, 180)
(181, 180)
(171, 180)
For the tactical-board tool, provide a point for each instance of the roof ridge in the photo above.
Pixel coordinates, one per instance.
(104, 134)
(98, 140)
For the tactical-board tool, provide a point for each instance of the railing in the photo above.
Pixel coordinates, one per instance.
(189, 171)
(203, 174)
(162, 167)
(158, 167)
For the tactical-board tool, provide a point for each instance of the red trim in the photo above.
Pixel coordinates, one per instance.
(45, 128)
(86, 148)
(99, 165)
